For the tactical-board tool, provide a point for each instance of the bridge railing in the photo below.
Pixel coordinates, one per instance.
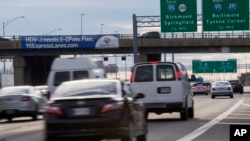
(175, 35)
(191, 35)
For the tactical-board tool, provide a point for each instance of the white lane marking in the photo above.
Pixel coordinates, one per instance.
(211, 123)
(234, 123)
(246, 105)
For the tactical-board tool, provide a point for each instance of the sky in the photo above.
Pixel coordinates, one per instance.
(44, 16)
(90, 17)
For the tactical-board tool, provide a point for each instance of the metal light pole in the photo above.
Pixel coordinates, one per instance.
(54, 30)
(9, 22)
(101, 27)
(81, 22)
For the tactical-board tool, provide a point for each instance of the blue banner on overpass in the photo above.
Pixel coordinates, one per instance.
(69, 41)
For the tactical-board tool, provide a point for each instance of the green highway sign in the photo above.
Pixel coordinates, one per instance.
(225, 15)
(228, 66)
(178, 15)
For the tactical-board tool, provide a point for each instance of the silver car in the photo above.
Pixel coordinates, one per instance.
(221, 88)
(200, 88)
(20, 101)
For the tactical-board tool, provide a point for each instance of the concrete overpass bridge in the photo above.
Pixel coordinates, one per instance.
(32, 66)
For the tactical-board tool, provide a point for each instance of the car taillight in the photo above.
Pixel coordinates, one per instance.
(213, 89)
(154, 62)
(53, 110)
(132, 76)
(178, 74)
(25, 98)
(229, 88)
(204, 87)
(112, 107)
(193, 88)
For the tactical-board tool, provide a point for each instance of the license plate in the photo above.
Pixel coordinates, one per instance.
(155, 105)
(81, 111)
(163, 90)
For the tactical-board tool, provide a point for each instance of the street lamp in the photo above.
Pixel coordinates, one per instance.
(9, 22)
(81, 22)
(101, 27)
(54, 30)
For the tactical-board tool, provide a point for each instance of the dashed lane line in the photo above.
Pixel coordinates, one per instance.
(210, 124)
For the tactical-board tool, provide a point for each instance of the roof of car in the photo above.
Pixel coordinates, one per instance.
(89, 80)
(13, 87)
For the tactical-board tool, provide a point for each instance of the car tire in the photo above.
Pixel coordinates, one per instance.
(212, 96)
(141, 137)
(9, 119)
(35, 115)
(191, 111)
(184, 113)
(231, 96)
(146, 115)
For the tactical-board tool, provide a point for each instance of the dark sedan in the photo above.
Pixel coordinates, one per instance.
(237, 86)
(95, 109)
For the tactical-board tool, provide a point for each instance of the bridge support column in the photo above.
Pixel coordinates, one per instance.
(19, 65)
(32, 70)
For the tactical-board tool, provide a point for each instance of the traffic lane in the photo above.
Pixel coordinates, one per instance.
(169, 126)
(204, 104)
(161, 127)
(239, 116)
(23, 124)
(35, 133)
(23, 129)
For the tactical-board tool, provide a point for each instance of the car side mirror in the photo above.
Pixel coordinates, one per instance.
(139, 96)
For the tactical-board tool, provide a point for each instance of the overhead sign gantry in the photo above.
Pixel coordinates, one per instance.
(227, 66)
(178, 15)
(225, 15)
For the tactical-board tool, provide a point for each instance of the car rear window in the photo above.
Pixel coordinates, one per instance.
(144, 73)
(86, 88)
(15, 90)
(221, 84)
(165, 73)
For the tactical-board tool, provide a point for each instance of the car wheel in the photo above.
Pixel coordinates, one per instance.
(212, 96)
(231, 96)
(35, 114)
(141, 137)
(191, 111)
(184, 113)
(146, 115)
(9, 119)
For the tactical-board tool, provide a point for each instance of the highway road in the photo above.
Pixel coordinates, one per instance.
(211, 122)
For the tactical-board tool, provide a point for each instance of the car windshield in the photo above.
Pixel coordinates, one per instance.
(86, 88)
(12, 91)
